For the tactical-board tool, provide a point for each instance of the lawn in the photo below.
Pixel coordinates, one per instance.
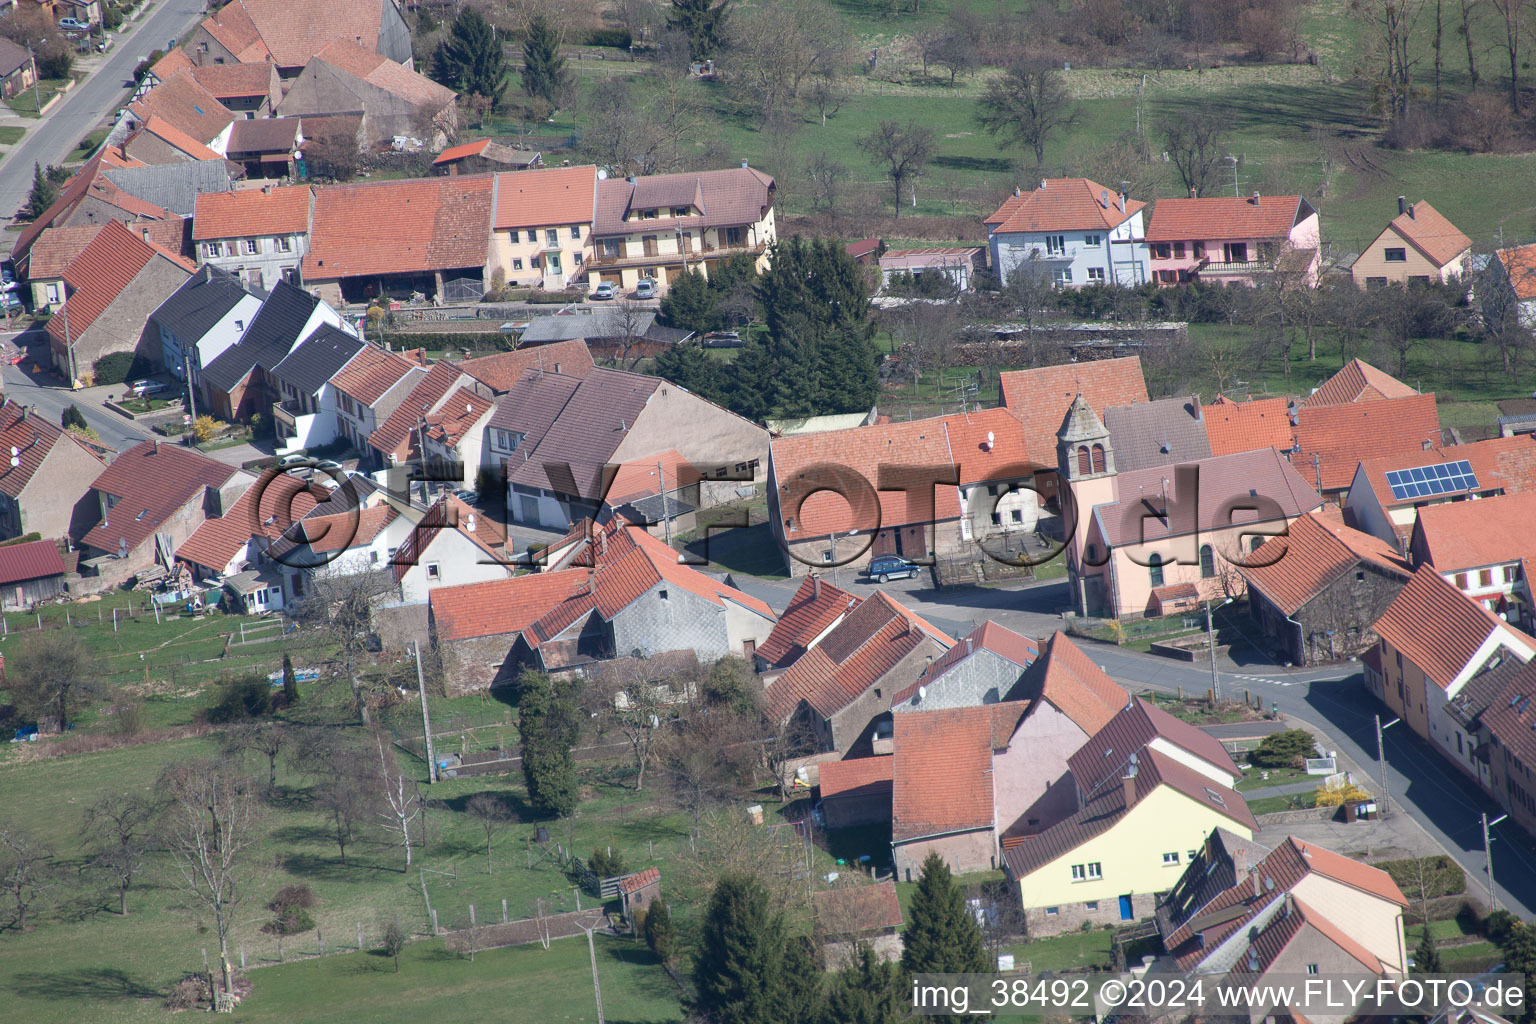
(1076, 949)
(545, 985)
(25, 102)
(87, 146)
(11, 134)
(143, 405)
(1254, 778)
(1292, 802)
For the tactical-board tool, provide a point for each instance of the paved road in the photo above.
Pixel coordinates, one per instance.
(83, 107)
(51, 401)
(1330, 698)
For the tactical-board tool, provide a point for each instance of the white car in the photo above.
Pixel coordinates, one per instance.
(646, 289)
(147, 387)
(73, 25)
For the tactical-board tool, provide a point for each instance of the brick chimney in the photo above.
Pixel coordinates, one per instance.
(1129, 784)
(815, 587)
(1255, 199)
(1402, 205)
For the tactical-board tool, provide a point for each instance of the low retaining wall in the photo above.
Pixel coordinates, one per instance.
(1304, 814)
(1180, 653)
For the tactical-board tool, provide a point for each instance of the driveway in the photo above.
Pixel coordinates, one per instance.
(46, 393)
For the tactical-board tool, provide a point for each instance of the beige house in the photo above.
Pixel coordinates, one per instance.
(667, 224)
(1418, 245)
(1145, 541)
(542, 233)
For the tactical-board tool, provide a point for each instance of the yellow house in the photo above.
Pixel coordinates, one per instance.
(666, 224)
(1144, 541)
(541, 233)
(1418, 245)
(1123, 847)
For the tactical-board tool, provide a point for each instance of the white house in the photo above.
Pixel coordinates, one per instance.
(453, 435)
(201, 319)
(452, 545)
(339, 544)
(307, 396)
(1071, 231)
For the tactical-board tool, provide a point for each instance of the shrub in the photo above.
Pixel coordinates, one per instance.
(1286, 749)
(72, 416)
(241, 697)
(205, 427)
(1337, 795)
(119, 367)
(55, 63)
(128, 719)
(111, 18)
(606, 863)
(1497, 926)
(552, 298)
(1442, 876)
(617, 37)
(24, 539)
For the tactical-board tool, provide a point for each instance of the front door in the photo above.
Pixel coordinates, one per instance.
(885, 543)
(1125, 908)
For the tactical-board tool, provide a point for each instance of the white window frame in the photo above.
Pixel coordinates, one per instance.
(1095, 869)
(1093, 240)
(252, 247)
(1096, 274)
(284, 243)
(1055, 245)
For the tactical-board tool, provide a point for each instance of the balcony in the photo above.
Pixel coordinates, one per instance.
(696, 254)
(287, 414)
(1238, 267)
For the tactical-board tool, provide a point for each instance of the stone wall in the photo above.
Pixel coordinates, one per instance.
(1069, 917)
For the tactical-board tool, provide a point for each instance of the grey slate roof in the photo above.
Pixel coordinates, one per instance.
(545, 329)
(1161, 433)
(172, 187)
(200, 303)
(317, 359)
(268, 339)
(570, 457)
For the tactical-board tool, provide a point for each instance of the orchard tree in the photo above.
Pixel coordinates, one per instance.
(1027, 104)
(902, 150)
(119, 828)
(51, 675)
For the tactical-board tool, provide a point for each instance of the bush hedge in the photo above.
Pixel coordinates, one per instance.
(493, 341)
(121, 366)
(617, 37)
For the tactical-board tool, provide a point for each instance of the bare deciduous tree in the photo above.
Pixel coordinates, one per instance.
(210, 819)
(493, 814)
(1196, 149)
(119, 828)
(627, 322)
(826, 177)
(338, 604)
(27, 870)
(266, 738)
(636, 703)
(1028, 103)
(902, 150)
(402, 802)
(344, 795)
(777, 47)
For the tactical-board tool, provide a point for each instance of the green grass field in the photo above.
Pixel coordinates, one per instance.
(11, 134)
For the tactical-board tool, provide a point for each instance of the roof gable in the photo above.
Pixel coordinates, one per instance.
(1436, 626)
(284, 210)
(942, 772)
(151, 481)
(1358, 381)
(1331, 440)
(543, 196)
(102, 271)
(1292, 569)
(1062, 204)
(501, 371)
(1243, 426)
(1215, 217)
(1067, 679)
(1426, 229)
(1041, 396)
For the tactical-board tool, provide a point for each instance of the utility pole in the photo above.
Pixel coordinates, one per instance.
(426, 720)
(1210, 635)
(597, 989)
(666, 518)
(1381, 765)
(1493, 890)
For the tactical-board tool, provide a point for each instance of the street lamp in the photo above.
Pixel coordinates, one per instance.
(1381, 764)
(1210, 635)
(1493, 890)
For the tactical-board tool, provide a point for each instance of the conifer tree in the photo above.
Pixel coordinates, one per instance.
(543, 67)
(702, 21)
(942, 936)
(660, 935)
(43, 194)
(1426, 955)
(690, 303)
(867, 991)
(689, 366)
(470, 60)
(547, 720)
(290, 681)
(739, 968)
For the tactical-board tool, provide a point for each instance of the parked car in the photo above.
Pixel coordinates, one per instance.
(467, 497)
(74, 25)
(329, 466)
(891, 567)
(10, 301)
(602, 291)
(292, 460)
(646, 289)
(143, 388)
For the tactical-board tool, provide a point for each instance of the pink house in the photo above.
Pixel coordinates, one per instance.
(1218, 240)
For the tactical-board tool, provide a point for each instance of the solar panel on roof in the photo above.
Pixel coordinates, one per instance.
(1426, 481)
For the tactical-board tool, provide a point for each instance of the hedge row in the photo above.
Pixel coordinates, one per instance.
(494, 341)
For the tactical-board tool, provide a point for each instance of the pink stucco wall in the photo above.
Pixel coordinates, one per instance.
(1034, 762)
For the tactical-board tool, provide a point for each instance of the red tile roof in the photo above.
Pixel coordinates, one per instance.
(382, 73)
(186, 105)
(1042, 396)
(169, 133)
(237, 81)
(1066, 678)
(858, 652)
(1473, 534)
(1243, 426)
(232, 26)
(339, 531)
(397, 435)
(959, 441)
(457, 415)
(295, 30)
(174, 62)
(1499, 463)
(98, 276)
(499, 607)
(989, 636)
(858, 908)
(452, 515)
(1293, 569)
(433, 224)
(502, 370)
(1520, 267)
(864, 776)
(283, 500)
(640, 879)
(151, 482)
(252, 211)
(1333, 439)
(732, 196)
(371, 374)
(468, 149)
(1426, 229)
(942, 778)
(1104, 757)
(55, 248)
(813, 609)
(34, 438)
(1217, 217)
(1024, 854)
(1436, 626)
(30, 561)
(1062, 204)
(545, 196)
(1358, 381)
